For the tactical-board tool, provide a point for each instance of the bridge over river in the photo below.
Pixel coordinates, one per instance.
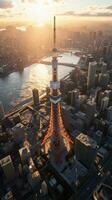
(60, 63)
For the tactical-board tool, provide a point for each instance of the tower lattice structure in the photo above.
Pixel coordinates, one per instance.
(56, 140)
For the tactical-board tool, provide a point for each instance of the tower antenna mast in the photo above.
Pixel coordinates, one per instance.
(54, 31)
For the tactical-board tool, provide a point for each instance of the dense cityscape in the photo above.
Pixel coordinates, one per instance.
(24, 45)
(57, 145)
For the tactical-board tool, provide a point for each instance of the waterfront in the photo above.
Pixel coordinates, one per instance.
(17, 87)
(55, 146)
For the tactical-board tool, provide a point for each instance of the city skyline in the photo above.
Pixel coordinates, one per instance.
(55, 100)
(43, 11)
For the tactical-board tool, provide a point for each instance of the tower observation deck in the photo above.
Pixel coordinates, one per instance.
(56, 141)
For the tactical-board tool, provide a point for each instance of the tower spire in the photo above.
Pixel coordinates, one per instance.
(54, 31)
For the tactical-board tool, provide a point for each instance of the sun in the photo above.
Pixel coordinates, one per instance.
(39, 12)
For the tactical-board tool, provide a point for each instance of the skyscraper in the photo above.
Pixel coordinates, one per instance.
(57, 141)
(91, 75)
(109, 114)
(86, 149)
(35, 97)
(8, 168)
(104, 104)
(2, 113)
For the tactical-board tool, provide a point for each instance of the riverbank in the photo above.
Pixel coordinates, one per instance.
(17, 87)
(6, 72)
(23, 106)
(29, 101)
(7, 69)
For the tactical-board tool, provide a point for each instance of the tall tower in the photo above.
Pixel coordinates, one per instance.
(56, 141)
(91, 75)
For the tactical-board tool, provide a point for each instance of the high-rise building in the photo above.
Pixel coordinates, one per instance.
(110, 130)
(91, 75)
(74, 96)
(98, 137)
(18, 133)
(109, 114)
(9, 196)
(35, 97)
(85, 149)
(2, 113)
(103, 80)
(24, 155)
(90, 109)
(97, 91)
(8, 168)
(69, 94)
(56, 141)
(103, 68)
(100, 97)
(47, 92)
(104, 104)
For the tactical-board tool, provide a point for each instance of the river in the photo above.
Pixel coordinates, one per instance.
(17, 86)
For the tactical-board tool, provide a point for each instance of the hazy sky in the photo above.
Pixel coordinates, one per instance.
(43, 9)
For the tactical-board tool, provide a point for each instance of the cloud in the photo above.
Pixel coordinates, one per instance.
(12, 8)
(58, 0)
(28, 1)
(4, 4)
(94, 11)
(109, 7)
(69, 13)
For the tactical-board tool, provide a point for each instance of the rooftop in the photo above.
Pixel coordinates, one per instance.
(74, 171)
(5, 160)
(86, 140)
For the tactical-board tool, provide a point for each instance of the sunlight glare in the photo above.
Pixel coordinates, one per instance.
(39, 12)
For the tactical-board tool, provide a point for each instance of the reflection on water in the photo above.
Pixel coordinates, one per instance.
(21, 28)
(16, 87)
